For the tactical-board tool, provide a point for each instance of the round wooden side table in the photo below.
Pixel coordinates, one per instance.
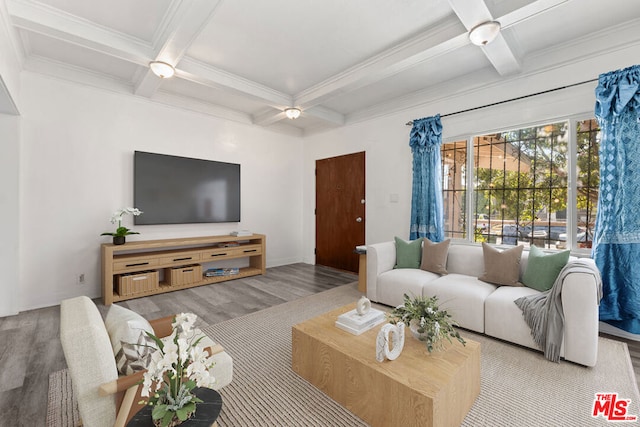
(206, 412)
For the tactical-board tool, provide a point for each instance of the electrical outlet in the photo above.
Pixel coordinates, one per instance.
(81, 279)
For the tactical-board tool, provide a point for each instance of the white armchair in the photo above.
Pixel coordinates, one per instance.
(104, 399)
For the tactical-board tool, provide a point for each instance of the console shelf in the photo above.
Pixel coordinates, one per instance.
(140, 257)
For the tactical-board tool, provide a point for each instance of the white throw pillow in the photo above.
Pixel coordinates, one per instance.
(132, 347)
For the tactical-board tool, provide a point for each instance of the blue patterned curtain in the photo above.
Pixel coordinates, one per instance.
(426, 199)
(617, 232)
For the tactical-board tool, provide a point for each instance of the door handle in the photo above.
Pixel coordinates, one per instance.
(359, 219)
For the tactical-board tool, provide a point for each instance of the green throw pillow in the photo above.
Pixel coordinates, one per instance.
(408, 254)
(543, 269)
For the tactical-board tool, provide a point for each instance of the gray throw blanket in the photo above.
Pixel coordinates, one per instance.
(543, 312)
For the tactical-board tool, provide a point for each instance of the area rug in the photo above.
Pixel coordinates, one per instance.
(519, 387)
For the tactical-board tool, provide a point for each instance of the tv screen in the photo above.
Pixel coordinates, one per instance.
(181, 190)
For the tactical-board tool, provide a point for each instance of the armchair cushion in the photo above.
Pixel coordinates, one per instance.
(131, 345)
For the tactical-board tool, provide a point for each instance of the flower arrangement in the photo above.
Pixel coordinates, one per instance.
(178, 366)
(426, 321)
(117, 218)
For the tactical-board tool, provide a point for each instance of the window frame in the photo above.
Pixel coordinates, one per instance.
(571, 226)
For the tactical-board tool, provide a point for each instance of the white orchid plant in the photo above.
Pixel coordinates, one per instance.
(116, 218)
(178, 366)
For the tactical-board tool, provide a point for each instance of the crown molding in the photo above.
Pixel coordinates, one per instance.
(51, 22)
(78, 75)
(188, 103)
(13, 35)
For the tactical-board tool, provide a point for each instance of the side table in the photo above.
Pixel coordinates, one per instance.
(206, 412)
(362, 268)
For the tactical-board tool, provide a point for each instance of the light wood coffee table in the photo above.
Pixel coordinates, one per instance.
(417, 388)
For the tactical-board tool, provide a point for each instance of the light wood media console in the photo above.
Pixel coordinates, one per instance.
(124, 264)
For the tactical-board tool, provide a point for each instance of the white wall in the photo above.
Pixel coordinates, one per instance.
(9, 213)
(77, 168)
(386, 138)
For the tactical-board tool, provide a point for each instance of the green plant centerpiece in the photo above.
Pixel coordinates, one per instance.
(177, 367)
(426, 321)
(116, 218)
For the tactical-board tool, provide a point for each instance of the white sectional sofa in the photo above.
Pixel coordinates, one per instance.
(483, 307)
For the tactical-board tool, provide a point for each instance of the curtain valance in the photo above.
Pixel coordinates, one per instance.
(616, 90)
(426, 134)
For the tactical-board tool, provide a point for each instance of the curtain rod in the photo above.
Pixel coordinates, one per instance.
(410, 123)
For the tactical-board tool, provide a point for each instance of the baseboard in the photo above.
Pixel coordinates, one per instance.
(608, 329)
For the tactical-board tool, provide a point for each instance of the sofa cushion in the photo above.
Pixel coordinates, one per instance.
(543, 269)
(393, 284)
(408, 253)
(463, 296)
(434, 256)
(132, 347)
(465, 259)
(503, 318)
(501, 267)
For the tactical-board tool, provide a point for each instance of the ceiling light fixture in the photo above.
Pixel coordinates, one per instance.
(292, 113)
(162, 69)
(484, 33)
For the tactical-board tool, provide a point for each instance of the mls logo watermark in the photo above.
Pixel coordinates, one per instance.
(612, 408)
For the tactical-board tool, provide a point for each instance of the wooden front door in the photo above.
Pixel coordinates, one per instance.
(340, 210)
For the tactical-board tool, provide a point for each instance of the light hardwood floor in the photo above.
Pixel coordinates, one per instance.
(30, 346)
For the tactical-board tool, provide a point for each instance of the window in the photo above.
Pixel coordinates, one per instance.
(454, 162)
(587, 180)
(520, 186)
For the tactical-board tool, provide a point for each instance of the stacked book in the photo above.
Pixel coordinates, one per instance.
(213, 272)
(356, 324)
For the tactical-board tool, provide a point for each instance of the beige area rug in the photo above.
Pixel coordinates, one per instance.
(519, 387)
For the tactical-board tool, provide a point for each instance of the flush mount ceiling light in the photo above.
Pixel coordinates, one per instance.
(292, 113)
(162, 69)
(484, 33)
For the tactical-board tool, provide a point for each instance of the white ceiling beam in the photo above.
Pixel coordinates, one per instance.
(499, 53)
(437, 40)
(50, 22)
(268, 117)
(207, 75)
(529, 11)
(501, 56)
(182, 27)
(326, 114)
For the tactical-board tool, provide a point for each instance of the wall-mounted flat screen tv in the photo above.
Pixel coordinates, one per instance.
(181, 190)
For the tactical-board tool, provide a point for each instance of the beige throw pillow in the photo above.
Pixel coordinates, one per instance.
(434, 256)
(501, 267)
(132, 347)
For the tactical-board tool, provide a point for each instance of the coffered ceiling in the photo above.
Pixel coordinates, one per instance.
(338, 61)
